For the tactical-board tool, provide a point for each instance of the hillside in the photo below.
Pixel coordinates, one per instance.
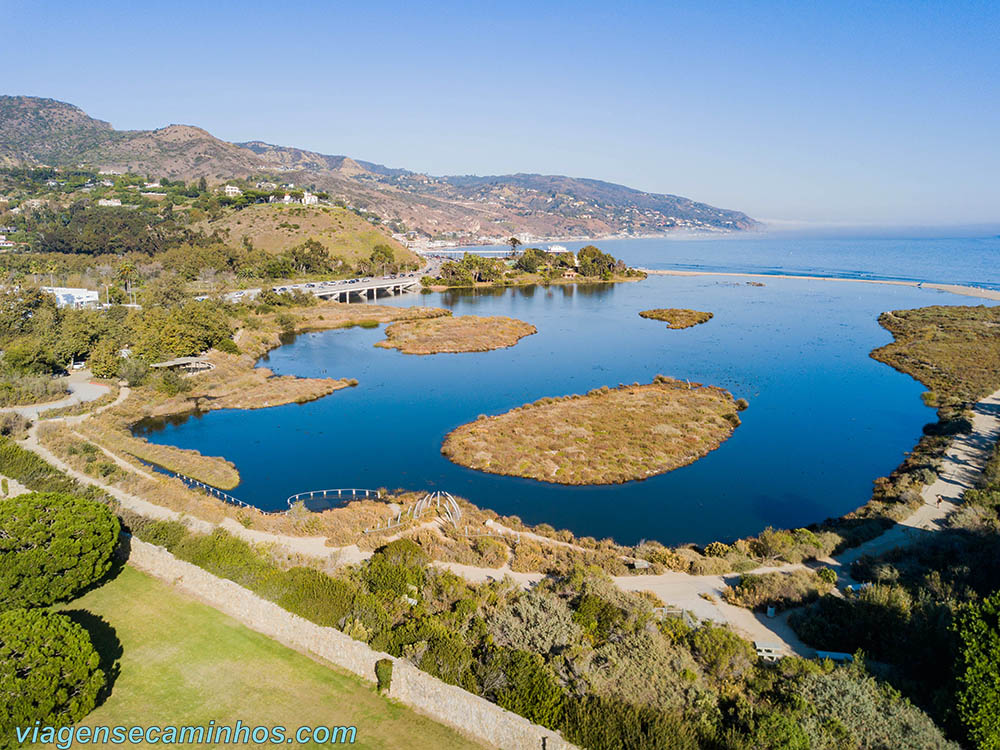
(277, 228)
(458, 208)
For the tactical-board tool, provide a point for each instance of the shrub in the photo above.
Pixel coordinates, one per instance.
(316, 596)
(596, 722)
(52, 545)
(383, 674)
(13, 424)
(48, 671)
(781, 590)
(228, 346)
(597, 617)
(717, 549)
(977, 627)
(34, 472)
(531, 689)
(827, 575)
(725, 655)
(872, 715)
(535, 621)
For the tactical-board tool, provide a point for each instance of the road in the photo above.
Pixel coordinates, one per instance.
(331, 288)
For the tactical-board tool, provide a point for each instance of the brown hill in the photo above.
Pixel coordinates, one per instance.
(34, 131)
(276, 228)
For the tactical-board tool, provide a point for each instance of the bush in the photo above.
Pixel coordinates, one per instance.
(781, 590)
(383, 674)
(34, 472)
(725, 655)
(48, 671)
(228, 346)
(52, 545)
(597, 722)
(977, 627)
(316, 596)
(531, 689)
(535, 621)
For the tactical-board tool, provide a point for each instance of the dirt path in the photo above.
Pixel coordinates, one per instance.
(960, 468)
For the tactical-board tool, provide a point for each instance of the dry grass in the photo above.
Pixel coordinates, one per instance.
(277, 228)
(677, 317)
(468, 333)
(954, 351)
(610, 435)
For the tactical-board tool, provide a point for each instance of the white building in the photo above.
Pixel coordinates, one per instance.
(308, 199)
(73, 297)
(4, 242)
(231, 191)
(108, 202)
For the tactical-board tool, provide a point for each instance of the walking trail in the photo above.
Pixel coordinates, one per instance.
(702, 595)
(960, 467)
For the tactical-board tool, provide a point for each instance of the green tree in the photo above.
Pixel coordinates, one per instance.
(513, 242)
(104, 359)
(977, 627)
(49, 671)
(52, 545)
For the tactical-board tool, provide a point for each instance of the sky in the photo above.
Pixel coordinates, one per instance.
(798, 113)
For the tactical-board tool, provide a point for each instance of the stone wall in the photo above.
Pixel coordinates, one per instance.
(447, 704)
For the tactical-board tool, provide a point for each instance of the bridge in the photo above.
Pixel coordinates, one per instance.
(342, 291)
(320, 500)
(346, 290)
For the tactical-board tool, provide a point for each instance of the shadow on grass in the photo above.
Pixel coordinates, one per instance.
(106, 643)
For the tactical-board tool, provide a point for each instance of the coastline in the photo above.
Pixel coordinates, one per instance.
(965, 291)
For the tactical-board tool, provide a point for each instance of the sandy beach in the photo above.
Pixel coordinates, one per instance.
(966, 291)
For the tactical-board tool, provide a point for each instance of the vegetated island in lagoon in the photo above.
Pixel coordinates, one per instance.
(466, 333)
(608, 436)
(533, 266)
(677, 318)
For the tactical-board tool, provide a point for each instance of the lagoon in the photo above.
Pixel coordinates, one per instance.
(824, 420)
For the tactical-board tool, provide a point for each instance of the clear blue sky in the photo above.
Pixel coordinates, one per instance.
(880, 112)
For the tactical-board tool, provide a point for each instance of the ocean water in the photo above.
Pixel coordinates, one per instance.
(824, 420)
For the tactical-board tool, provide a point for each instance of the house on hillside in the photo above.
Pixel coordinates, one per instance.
(231, 191)
(73, 297)
(308, 199)
(4, 242)
(108, 202)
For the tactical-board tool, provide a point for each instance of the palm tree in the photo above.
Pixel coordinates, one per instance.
(127, 274)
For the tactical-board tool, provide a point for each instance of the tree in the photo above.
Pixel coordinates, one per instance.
(167, 290)
(382, 255)
(128, 274)
(977, 627)
(513, 242)
(202, 185)
(49, 671)
(104, 359)
(52, 545)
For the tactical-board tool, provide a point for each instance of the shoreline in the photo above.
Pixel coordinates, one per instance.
(965, 291)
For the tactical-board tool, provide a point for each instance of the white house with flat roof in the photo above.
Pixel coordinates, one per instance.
(232, 191)
(73, 297)
(108, 202)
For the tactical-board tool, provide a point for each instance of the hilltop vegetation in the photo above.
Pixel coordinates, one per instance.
(37, 131)
(277, 229)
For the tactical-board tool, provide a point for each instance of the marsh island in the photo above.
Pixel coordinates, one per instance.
(608, 436)
(677, 318)
(465, 333)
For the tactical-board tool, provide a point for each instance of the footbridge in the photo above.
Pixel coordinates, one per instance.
(320, 500)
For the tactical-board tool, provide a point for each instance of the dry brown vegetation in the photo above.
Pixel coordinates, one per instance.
(954, 351)
(677, 318)
(609, 435)
(277, 228)
(468, 333)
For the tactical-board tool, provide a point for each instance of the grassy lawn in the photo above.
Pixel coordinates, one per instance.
(184, 663)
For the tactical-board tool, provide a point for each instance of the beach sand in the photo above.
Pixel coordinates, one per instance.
(966, 291)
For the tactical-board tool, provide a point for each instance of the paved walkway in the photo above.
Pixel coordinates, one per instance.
(80, 389)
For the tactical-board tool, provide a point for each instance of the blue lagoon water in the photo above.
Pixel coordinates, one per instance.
(824, 420)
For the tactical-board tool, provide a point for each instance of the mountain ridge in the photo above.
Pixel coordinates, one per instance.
(36, 130)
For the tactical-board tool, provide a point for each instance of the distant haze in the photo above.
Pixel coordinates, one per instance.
(812, 113)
